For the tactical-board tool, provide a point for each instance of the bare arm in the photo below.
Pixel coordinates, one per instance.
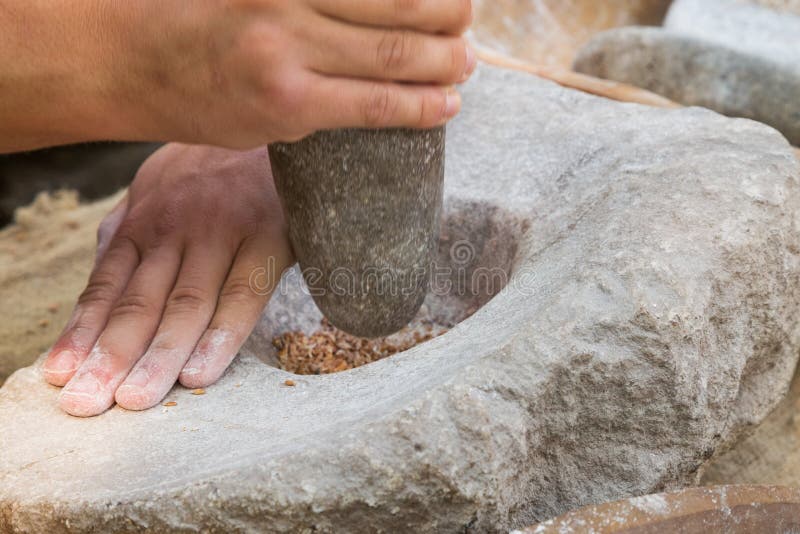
(233, 73)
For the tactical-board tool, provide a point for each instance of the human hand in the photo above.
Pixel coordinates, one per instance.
(244, 73)
(170, 296)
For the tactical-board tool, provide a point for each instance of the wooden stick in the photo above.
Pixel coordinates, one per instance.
(582, 82)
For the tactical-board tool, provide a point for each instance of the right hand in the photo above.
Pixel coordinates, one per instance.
(243, 73)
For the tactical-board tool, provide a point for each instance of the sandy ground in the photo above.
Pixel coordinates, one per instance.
(45, 258)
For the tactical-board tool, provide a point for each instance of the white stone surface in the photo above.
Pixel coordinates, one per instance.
(747, 28)
(651, 316)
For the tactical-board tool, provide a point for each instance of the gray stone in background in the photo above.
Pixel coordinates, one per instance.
(748, 28)
(363, 209)
(650, 318)
(698, 72)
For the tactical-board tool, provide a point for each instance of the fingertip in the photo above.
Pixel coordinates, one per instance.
(194, 377)
(135, 398)
(60, 366)
(471, 63)
(81, 404)
(452, 104)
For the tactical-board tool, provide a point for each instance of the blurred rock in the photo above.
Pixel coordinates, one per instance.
(790, 6)
(549, 32)
(749, 29)
(699, 72)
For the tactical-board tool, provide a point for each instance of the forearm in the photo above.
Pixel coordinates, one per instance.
(58, 82)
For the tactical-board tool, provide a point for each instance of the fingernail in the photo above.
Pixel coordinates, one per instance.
(65, 361)
(472, 62)
(138, 378)
(79, 404)
(453, 104)
(83, 384)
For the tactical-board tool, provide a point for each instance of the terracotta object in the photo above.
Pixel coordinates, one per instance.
(729, 509)
(363, 209)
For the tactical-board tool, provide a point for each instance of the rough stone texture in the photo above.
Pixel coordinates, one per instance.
(363, 209)
(770, 455)
(747, 28)
(650, 317)
(697, 72)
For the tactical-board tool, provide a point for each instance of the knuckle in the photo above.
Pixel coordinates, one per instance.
(380, 107)
(395, 51)
(134, 305)
(458, 59)
(100, 290)
(188, 299)
(284, 99)
(237, 290)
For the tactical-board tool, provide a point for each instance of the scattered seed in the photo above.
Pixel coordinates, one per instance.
(72, 225)
(289, 383)
(53, 308)
(198, 391)
(170, 403)
(44, 323)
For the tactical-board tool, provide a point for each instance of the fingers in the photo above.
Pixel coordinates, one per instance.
(188, 311)
(391, 55)
(435, 16)
(106, 284)
(240, 304)
(109, 226)
(131, 325)
(365, 104)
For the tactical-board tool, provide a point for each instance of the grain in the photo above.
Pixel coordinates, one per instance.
(329, 350)
(198, 391)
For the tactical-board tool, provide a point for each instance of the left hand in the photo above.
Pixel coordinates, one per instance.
(170, 295)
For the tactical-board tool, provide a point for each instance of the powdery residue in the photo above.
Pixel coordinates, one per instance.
(208, 349)
(653, 504)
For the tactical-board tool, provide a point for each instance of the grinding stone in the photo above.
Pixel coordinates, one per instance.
(363, 208)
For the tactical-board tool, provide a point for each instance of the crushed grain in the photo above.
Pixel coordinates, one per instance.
(329, 350)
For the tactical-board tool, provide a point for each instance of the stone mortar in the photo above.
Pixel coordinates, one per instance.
(649, 318)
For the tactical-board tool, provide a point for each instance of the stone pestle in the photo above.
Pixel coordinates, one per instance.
(363, 210)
